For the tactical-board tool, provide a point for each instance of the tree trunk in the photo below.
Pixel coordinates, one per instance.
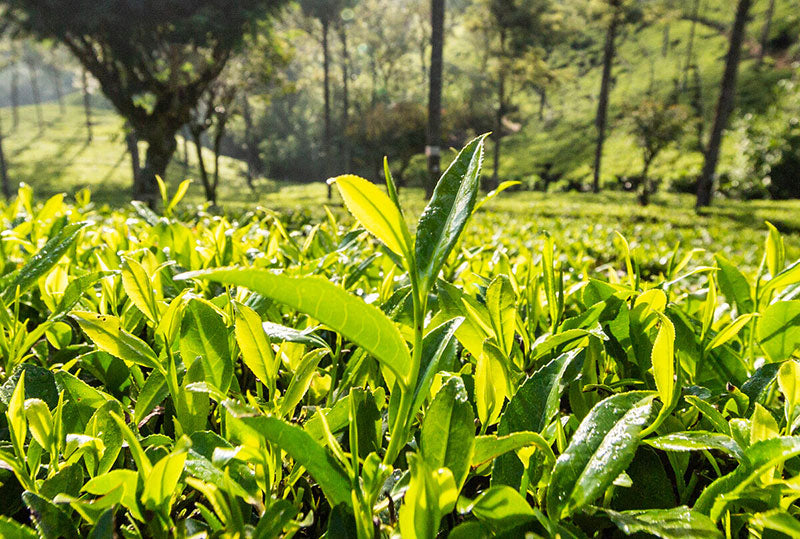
(605, 86)
(665, 41)
(185, 138)
(159, 152)
(690, 44)
(498, 130)
(56, 76)
(433, 150)
(219, 134)
(765, 31)
(132, 143)
(542, 91)
(326, 136)
(37, 98)
(345, 143)
(201, 165)
(14, 98)
(3, 170)
(251, 146)
(87, 104)
(647, 188)
(725, 104)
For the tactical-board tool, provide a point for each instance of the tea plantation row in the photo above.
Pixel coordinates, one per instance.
(181, 374)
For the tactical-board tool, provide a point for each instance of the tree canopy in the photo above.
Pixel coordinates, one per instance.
(153, 59)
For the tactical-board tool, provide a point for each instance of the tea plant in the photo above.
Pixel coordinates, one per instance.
(186, 374)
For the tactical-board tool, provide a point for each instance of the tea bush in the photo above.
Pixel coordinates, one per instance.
(186, 374)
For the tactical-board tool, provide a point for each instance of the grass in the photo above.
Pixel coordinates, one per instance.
(59, 159)
(587, 224)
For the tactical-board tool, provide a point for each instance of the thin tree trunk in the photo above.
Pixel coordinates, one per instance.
(56, 76)
(14, 98)
(434, 135)
(185, 138)
(37, 99)
(326, 137)
(690, 44)
(132, 142)
(605, 86)
(345, 143)
(725, 104)
(542, 91)
(201, 165)
(219, 134)
(6, 185)
(665, 41)
(644, 196)
(498, 129)
(87, 105)
(251, 148)
(765, 31)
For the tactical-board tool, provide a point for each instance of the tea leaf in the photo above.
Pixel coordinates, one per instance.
(307, 452)
(448, 431)
(665, 523)
(204, 336)
(106, 333)
(376, 212)
(663, 360)
(446, 215)
(599, 451)
(361, 323)
(42, 262)
(779, 329)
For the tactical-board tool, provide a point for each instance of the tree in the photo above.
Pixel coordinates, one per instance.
(765, 31)
(514, 30)
(4, 183)
(214, 110)
(87, 89)
(727, 94)
(327, 12)
(656, 125)
(153, 60)
(615, 17)
(396, 130)
(434, 132)
(341, 29)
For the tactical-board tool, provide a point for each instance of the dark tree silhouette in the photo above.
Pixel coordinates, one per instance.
(434, 133)
(727, 94)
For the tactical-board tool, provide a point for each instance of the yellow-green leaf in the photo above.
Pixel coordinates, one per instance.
(663, 359)
(162, 479)
(254, 344)
(105, 331)
(730, 331)
(16, 415)
(375, 211)
(363, 324)
(40, 420)
(139, 288)
(774, 250)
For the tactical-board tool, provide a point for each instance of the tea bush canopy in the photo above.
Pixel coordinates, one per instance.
(326, 336)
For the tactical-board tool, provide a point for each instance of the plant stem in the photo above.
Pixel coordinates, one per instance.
(399, 433)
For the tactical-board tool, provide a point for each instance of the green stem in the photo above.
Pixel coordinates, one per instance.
(402, 424)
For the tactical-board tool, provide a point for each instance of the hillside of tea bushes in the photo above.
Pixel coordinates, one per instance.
(184, 374)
